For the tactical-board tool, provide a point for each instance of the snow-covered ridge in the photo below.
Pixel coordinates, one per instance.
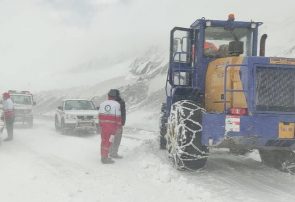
(152, 61)
(141, 84)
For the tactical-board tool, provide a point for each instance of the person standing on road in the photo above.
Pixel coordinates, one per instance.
(109, 122)
(118, 136)
(8, 108)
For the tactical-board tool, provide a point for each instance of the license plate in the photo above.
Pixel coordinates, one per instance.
(85, 124)
(286, 130)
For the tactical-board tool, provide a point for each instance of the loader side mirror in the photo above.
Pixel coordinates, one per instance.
(236, 48)
(97, 108)
(59, 107)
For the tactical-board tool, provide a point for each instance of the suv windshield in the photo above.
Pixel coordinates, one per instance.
(22, 99)
(217, 40)
(79, 105)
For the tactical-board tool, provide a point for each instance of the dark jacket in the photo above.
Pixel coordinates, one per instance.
(123, 110)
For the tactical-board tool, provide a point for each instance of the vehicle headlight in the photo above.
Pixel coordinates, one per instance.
(208, 23)
(70, 116)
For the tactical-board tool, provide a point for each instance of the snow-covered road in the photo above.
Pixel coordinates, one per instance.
(41, 165)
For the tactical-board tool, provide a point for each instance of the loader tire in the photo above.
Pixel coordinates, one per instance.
(283, 160)
(163, 126)
(184, 136)
(270, 158)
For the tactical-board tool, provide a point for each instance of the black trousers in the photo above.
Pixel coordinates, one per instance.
(117, 141)
(9, 122)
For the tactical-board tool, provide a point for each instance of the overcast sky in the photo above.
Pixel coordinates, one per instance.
(40, 39)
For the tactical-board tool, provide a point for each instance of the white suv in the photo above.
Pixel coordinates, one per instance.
(76, 114)
(23, 106)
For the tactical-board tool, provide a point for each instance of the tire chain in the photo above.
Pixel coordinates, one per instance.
(289, 165)
(172, 144)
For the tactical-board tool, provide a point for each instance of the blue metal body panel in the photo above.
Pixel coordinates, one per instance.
(255, 131)
(259, 128)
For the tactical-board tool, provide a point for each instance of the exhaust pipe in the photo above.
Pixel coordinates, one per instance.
(262, 45)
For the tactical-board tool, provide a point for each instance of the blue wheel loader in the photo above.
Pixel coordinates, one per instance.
(222, 93)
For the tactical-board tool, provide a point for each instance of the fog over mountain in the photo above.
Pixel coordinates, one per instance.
(50, 44)
(141, 84)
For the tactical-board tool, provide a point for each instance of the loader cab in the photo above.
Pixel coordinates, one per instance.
(192, 49)
(212, 39)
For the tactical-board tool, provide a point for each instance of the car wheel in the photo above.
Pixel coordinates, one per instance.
(62, 127)
(56, 124)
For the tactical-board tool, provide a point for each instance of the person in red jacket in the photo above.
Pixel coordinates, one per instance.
(210, 50)
(8, 109)
(109, 122)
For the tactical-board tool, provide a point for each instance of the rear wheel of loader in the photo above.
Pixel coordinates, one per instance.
(184, 136)
(163, 126)
(280, 159)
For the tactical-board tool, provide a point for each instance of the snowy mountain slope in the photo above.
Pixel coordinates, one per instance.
(49, 100)
(150, 63)
(141, 83)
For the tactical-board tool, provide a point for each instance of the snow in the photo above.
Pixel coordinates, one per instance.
(157, 83)
(40, 164)
(147, 120)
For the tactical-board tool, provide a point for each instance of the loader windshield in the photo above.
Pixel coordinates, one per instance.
(220, 42)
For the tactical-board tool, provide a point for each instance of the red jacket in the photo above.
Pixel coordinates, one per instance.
(110, 114)
(8, 108)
